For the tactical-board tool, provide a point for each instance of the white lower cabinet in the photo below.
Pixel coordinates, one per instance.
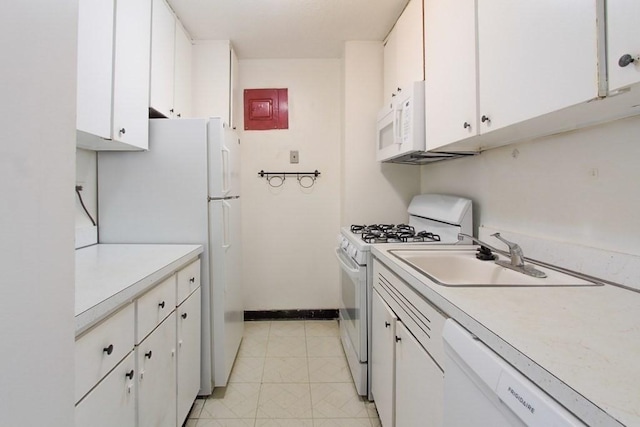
(416, 375)
(383, 331)
(156, 363)
(154, 380)
(407, 381)
(112, 402)
(188, 357)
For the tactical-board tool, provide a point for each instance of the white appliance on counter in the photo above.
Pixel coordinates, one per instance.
(185, 189)
(433, 219)
(481, 388)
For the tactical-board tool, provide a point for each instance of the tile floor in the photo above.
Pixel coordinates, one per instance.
(287, 374)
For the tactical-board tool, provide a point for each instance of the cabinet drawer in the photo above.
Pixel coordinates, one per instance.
(112, 402)
(188, 280)
(101, 348)
(154, 307)
(420, 317)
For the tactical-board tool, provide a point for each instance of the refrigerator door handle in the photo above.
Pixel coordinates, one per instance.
(226, 170)
(225, 225)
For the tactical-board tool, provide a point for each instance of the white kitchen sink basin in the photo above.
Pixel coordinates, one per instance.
(462, 268)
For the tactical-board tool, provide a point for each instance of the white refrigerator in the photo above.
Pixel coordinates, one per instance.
(185, 189)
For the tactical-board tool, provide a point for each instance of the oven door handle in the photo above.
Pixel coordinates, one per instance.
(344, 261)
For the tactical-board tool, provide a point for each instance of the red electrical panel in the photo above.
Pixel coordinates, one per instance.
(266, 109)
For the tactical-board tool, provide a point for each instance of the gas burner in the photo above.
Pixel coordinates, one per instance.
(426, 236)
(404, 228)
(358, 228)
(374, 237)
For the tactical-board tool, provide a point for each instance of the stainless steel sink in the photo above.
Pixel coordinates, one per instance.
(462, 268)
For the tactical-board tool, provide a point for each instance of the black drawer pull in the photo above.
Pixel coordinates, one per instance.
(108, 350)
(398, 339)
(148, 354)
(161, 305)
(129, 374)
(192, 280)
(184, 315)
(387, 324)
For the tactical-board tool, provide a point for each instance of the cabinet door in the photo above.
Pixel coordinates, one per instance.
(112, 402)
(156, 366)
(95, 66)
(390, 77)
(234, 92)
(163, 36)
(131, 75)
(535, 57)
(211, 66)
(182, 80)
(188, 354)
(419, 384)
(450, 71)
(383, 330)
(410, 45)
(623, 38)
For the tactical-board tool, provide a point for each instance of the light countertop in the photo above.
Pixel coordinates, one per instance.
(108, 276)
(580, 344)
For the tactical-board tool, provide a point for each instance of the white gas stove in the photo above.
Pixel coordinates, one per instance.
(433, 219)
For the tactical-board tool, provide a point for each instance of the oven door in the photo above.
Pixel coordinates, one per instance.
(353, 304)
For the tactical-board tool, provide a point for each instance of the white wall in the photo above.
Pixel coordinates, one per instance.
(37, 154)
(289, 233)
(580, 187)
(372, 192)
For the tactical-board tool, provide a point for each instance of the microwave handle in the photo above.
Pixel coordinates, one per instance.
(397, 128)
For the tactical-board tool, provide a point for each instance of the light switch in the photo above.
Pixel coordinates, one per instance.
(293, 156)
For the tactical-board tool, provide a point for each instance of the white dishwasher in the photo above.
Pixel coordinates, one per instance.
(482, 389)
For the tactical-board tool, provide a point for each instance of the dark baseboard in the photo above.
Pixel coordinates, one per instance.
(291, 315)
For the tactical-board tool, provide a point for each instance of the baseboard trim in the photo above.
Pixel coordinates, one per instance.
(324, 314)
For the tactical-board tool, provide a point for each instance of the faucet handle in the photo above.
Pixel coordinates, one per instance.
(511, 245)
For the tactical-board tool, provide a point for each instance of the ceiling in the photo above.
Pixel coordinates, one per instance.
(288, 28)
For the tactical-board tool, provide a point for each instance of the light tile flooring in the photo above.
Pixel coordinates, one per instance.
(287, 374)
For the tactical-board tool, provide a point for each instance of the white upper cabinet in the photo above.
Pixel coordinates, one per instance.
(513, 67)
(450, 71)
(113, 74)
(213, 70)
(623, 43)
(163, 36)
(404, 51)
(170, 64)
(535, 57)
(182, 73)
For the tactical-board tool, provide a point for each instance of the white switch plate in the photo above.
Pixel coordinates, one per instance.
(293, 156)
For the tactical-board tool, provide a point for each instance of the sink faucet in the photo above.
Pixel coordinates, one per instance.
(515, 251)
(515, 254)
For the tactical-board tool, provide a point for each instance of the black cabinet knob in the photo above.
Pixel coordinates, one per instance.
(192, 280)
(393, 94)
(399, 89)
(129, 374)
(184, 315)
(485, 119)
(398, 339)
(387, 324)
(625, 60)
(108, 350)
(171, 111)
(161, 305)
(179, 114)
(123, 131)
(467, 125)
(148, 354)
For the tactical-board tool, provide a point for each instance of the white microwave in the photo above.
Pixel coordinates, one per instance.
(400, 129)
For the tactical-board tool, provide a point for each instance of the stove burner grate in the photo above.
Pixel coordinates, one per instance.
(389, 233)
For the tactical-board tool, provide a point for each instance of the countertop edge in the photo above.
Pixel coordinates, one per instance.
(129, 292)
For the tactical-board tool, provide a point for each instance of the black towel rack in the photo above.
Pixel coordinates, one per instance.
(276, 179)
